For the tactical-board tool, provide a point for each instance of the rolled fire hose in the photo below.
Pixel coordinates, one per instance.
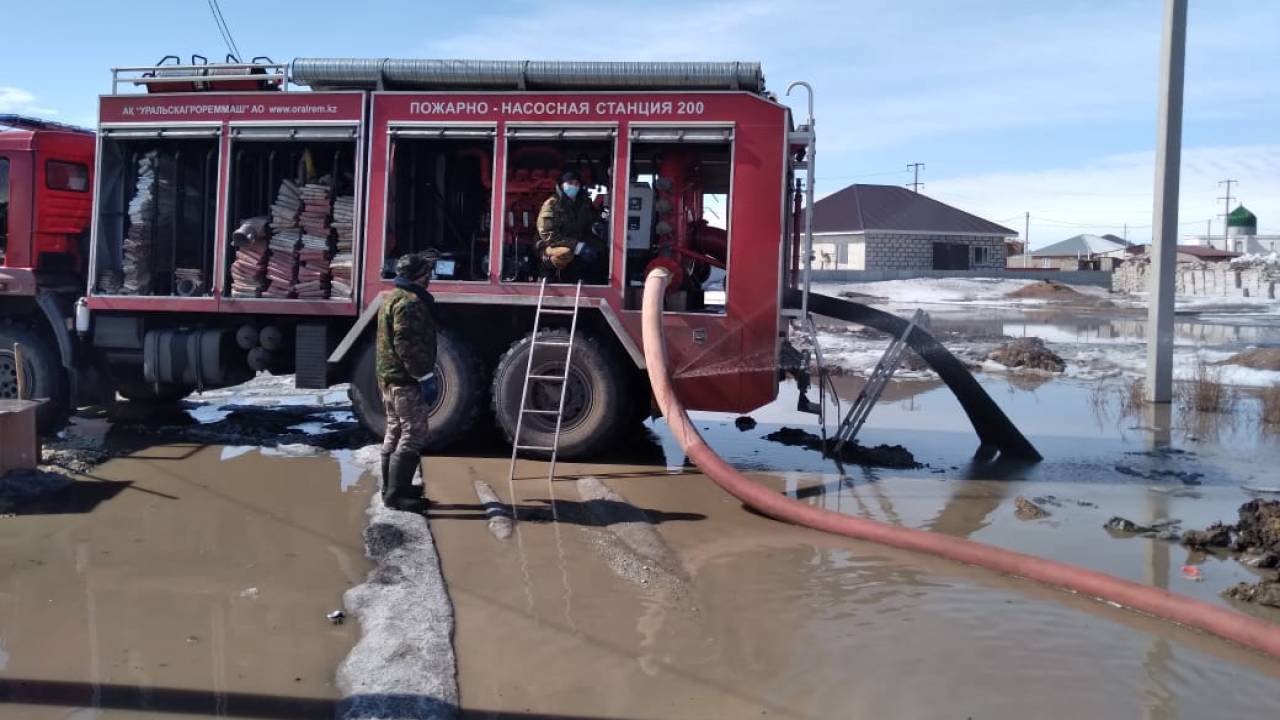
(1251, 632)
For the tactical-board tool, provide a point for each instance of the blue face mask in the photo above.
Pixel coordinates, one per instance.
(570, 190)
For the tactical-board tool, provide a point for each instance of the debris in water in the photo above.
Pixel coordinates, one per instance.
(1216, 535)
(1257, 489)
(1262, 593)
(745, 423)
(887, 456)
(1027, 510)
(336, 617)
(1028, 352)
(1263, 560)
(1262, 358)
(249, 593)
(1191, 572)
(1183, 476)
(1125, 525)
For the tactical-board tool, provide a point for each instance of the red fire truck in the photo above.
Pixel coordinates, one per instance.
(241, 224)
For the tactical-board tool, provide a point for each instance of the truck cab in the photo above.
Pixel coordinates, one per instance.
(46, 181)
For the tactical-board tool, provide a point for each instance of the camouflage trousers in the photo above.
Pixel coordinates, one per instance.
(406, 419)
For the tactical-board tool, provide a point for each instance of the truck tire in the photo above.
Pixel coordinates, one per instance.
(595, 401)
(130, 385)
(42, 368)
(462, 386)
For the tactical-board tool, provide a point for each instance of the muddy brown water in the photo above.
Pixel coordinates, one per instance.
(175, 583)
(758, 618)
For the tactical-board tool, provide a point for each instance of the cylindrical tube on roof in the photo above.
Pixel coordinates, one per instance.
(425, 74)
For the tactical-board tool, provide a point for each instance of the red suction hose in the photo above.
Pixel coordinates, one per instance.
(1250, 632)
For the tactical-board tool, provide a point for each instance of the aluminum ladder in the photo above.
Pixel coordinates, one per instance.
(563, 379)
(876, 383)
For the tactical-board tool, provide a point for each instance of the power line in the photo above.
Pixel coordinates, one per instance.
(861, 175)
(224, 29)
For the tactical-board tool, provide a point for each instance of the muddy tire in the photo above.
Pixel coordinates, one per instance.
(132, 386)
(43, 371)
(595, 403)
(462, 387)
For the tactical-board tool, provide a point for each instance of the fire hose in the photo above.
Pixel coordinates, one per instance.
(1250, 632)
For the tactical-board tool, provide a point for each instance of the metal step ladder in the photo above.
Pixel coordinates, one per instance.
(876, 383)
(562, 378)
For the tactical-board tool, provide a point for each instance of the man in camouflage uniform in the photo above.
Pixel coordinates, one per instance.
(406, 359)
(565, 241)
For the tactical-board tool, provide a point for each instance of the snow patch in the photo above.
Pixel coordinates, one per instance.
(404, 665)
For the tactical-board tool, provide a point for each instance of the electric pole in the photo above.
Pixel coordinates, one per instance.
(1026, 237)
(1164, 223)
(1226, 210)
(915, 183)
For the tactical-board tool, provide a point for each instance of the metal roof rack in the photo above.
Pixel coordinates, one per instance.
(170, 75)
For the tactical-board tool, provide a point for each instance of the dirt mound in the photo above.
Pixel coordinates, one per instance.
(1263, 593)
(1259, 526)
(1263, 358)
(1028, 352)
(1049, 290)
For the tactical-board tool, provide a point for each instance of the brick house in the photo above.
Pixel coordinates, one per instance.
(886, 227)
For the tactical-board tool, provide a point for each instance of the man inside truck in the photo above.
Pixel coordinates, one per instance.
(566, 239)
(406, 360)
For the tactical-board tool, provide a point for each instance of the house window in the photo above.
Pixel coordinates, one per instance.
(980, 254)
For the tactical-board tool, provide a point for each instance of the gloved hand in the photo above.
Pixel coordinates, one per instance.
(430, 388)
(586, 253)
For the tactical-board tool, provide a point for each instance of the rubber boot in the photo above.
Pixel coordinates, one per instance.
(386, 477)
(401, 494)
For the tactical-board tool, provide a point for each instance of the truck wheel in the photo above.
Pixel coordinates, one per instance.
(594, 405)
(462, 386)
(42, 369)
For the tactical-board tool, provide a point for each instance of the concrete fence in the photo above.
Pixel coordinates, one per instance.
(1205, 280)
(1069, 277)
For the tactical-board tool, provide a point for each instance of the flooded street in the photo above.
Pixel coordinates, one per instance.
(191, 576)
(184, 580)
(756, 617)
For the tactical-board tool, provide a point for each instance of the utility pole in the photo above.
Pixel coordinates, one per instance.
(1164, 222)
(1226, 210)
(1125, 236)
(1026, 238)
(915, 182)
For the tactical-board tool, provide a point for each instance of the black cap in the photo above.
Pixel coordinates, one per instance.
(416, 266)
(570, 174)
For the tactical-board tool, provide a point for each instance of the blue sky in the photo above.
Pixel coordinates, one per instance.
(1014, 105)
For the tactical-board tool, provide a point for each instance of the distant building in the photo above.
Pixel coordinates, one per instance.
(1242, 236)
(886, 227)
(1081, 252)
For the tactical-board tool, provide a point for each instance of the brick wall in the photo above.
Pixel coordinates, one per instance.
(894, 251)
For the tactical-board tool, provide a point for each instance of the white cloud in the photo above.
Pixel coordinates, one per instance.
(1103, 194)
(21, 102)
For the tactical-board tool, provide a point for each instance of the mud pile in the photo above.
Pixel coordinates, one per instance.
(1263, 358)
(1049, 290)
(895, 457)
(1028, 352)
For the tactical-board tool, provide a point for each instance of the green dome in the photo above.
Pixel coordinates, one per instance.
(1241, 217)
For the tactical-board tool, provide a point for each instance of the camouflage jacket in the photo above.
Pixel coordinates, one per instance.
(563, 222)
(406, 337)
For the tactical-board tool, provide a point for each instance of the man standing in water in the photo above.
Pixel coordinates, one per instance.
(406, 360)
